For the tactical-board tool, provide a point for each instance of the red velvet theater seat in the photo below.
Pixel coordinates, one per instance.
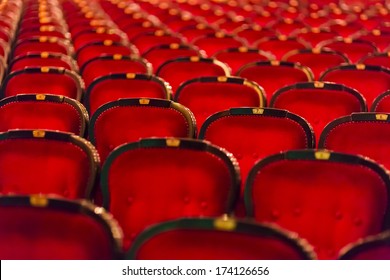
(212, 43)
(48, 228)
(124, 85)
(252, 134)
(108, 47)
(319, 103)
(354, 49)
(252, 33)
(43, 111)
(42, 59)
(159, 179)
(286, 26)
(370, 80)
(345, 28)
(112, 64)
(128, 120)
(44, 30)
(379, 59)
(315, 35)
(177, 71)
(272, 75)
(381, 103)
(42, 44)
(318, 60)
(208, 95)
(381, 39)
(158, 55)
(218, 239)
(190, 33)
(376, 247)
(281, 45)
(46, 80)
(330, 199)
(235, 58)
(148, 40)
(98, 35)
(360, 133)
(47, 162)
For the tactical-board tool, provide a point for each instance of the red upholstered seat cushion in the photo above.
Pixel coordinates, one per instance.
(44, 234)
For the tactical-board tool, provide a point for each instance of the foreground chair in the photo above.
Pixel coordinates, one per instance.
(48, 228)
(328, 198)
(217, 239)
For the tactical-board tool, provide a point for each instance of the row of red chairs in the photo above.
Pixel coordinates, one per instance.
(369, 80)
(349, 193)
(318, 102)
(80, 230)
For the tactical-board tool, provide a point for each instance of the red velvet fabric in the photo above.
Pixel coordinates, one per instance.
(30, 166)
(382, 104)
(272, 78)
(379, 60)
(314, 38)
(120, 125)
(368, 138)
(346, 29)
(135, 29)
(381, 41)
(112, 89)
(279, 47)
(194, 244)
(40, 115)
(329, 204)
(40, 62)
(287, 27)
(369, 83)
(207, 98)
(46, 234)
(254, 34)
(93, 51)
(146, 41)
(177, 72)
(372, 252)
(317, 62)
(236, 59)
(354, 51)
(36, 33)
(47, 83)
(100, 67)
(83, 39)
(153, 185)
(253, 137)
(318, 106)
(157, 56)
(193, 33)
(37, 46)
(213, 44)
